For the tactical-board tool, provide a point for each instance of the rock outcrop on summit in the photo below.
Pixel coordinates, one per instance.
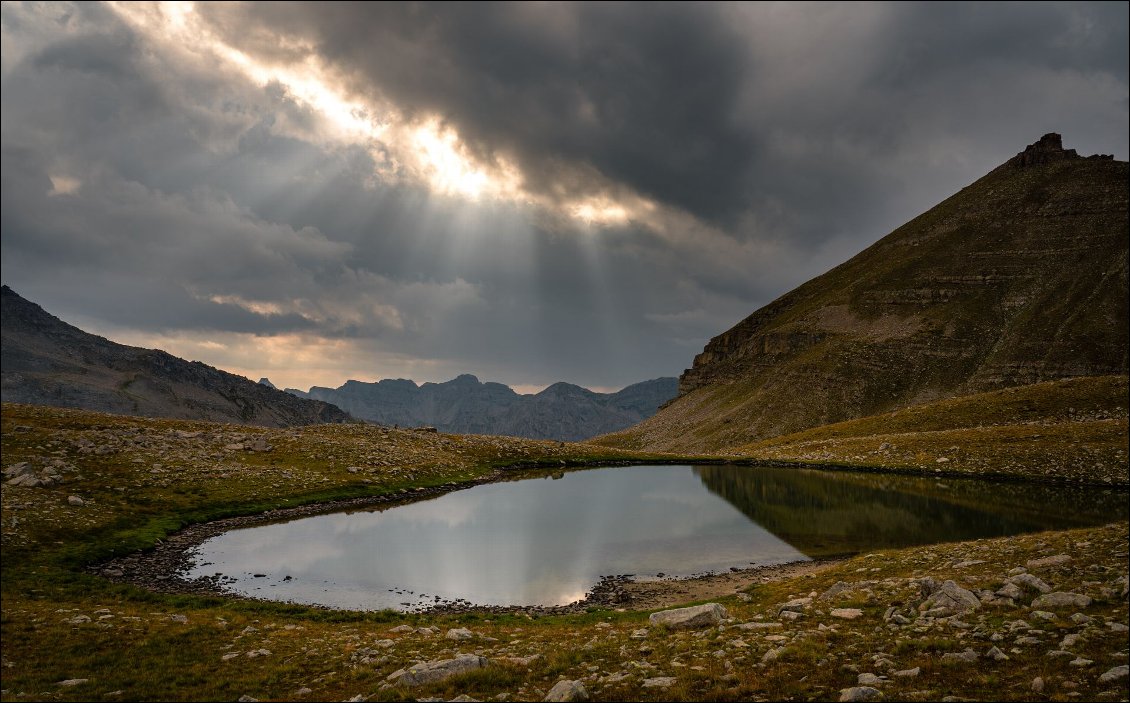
(1019, 278)
(49, 362)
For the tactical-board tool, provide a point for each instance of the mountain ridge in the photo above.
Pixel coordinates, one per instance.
(47, 361)
(1018, 278)
(466, 405)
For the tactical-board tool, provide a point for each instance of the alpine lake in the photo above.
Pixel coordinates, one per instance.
(546, 538)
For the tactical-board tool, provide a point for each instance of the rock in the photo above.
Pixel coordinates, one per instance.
(659, 682)
(861, 693)
(1061, 599)
(1010, 590)
(640, 634)
(403, 628)
(796, 605)
(836, 589)
(950, 599)
(846, 613)
(1043, 615)
(1043, 562)
(868, 679)
(790, 615)
(567, 691)
(1117, 627)
(438, 670)
(1029, 581)
(966, 657)
(695, 617)
(1080, 618)
(996, 655)
(1037, 685)
(71, 682)
(760, 626)
(247, 699)
(459, 633)
(908, 673)
(1116, 674)
(1080, 661)
(772, 655)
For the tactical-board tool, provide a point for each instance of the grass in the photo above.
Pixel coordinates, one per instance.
(59, 622)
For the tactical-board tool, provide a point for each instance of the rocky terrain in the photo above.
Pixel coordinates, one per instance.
(1039, 616)
(464, 405)
(47, 361)
(1020, 278)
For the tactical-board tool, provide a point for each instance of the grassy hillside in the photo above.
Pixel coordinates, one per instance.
(1020, 278)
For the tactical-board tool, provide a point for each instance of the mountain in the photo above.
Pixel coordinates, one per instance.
(1019, 278)
(46, 361)
(464, 405)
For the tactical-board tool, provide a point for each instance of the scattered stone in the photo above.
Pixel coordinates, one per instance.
(75, 501)
(1057, 560)
(966, 657)
(947, 599)
(659, 682)
(72, 682)
(1116, 674)
(1080, 661)
(1037, 685)
(459, 633)
(640, 634)
(1043, 615)
(868, 679)
(760, 626)
(1029, 581)
(772, 655)
(403, 628)
(996, 655)
(971, 562)
(1117, 627)
(1061, 599)
(438, 670)
(1010, 590)
(247, 699)
(836, 589)
(846, 613)
(796, 605)
(908, 673)
(695, 617)
(861, 693)
(567, 691)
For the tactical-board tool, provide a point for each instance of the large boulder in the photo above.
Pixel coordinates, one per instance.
(947, 599)
(433, 671)
(693, 618)
(567, 691)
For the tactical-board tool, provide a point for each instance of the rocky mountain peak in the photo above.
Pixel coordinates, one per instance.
(1048, 149)
(267, 382)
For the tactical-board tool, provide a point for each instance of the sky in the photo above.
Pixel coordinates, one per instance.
(527, 192)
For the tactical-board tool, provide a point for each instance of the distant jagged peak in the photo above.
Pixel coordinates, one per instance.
(1047, 150)
(267, 382)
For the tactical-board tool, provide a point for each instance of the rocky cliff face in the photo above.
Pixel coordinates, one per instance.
(465, 405)
(1019, 278)
(45, 361)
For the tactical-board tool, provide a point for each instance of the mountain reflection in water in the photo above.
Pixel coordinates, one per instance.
(823, 513)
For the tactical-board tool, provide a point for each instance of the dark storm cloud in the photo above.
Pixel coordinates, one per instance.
(148, 188)
(683, 103)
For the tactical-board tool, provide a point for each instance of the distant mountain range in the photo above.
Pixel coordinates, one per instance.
(465, 405)
(46, 361)
(1019, 278)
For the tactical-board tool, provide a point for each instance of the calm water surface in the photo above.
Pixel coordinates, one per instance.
(548, 539)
